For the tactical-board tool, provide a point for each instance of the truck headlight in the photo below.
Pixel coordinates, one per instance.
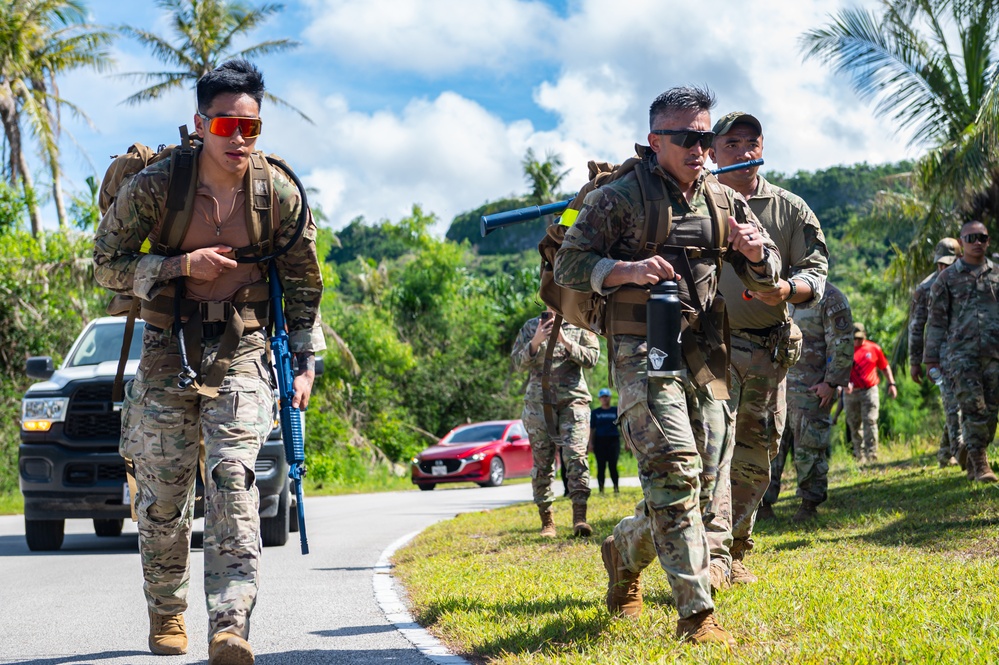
(38, 413)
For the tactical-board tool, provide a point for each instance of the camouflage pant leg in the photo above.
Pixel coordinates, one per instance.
(862, 408)
(777, 463)
(758, 399)
(718, 530)
(235, 425)
(574, 427)
(978, 394)
(952, 411)
(161, 427)
(812, 428)
(659, 433)
(574, 431)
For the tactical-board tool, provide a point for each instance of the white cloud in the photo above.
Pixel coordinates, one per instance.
(432, 37)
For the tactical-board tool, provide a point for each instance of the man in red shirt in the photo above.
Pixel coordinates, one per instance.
(862, 401)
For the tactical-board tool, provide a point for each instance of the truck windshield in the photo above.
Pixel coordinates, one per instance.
(101, 343)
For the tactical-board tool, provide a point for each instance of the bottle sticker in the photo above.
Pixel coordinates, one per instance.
(657, 357)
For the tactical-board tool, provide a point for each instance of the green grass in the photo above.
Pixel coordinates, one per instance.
(900, 568)
(11, 503)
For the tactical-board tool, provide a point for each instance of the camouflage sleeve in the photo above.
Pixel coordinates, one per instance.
(604, 217)
(299, 270)
(809, 260)
(917, 324)
(119, 264)
(587, 351)
(938, 319)
(521, 354)
(753, 280)
(837, 323)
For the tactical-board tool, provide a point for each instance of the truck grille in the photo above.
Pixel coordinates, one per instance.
(91, 474)
(90, 416)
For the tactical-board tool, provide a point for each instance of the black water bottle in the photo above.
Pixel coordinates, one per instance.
(663, 315)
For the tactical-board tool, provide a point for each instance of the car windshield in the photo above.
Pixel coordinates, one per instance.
(101, 343)
(476, 434)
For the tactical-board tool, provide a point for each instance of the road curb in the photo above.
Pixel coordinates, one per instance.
(397, 613)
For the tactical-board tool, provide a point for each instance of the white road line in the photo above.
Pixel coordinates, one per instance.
(396, 611)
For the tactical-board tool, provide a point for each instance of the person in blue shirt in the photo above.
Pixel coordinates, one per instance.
(605, 442)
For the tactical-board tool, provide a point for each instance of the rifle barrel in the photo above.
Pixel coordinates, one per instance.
(489, 223)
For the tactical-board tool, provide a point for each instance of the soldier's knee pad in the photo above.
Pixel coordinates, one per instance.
(163, 512)
(232, 476)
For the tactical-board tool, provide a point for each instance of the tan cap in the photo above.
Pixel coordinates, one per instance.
(858, 331)
(728, 120)
(947, 251)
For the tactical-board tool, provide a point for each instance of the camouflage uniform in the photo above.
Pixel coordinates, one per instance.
(655, 414)
(964, 315)
(758, 396)
(826, 357)
(162, 424)
(950, 441)
(572, 410)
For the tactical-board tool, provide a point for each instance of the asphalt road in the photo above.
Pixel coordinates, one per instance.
(84, 604)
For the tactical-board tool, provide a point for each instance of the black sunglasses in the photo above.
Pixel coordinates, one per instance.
(976, 237)
(687, 138)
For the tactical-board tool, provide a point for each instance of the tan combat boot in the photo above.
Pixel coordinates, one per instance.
(229, 649)
(702, 628)
(979, 461)
(624, 588)
(167, 634)
(806, 512)
(579, 526)
(719, 577)
(547, 522)
(740, 574)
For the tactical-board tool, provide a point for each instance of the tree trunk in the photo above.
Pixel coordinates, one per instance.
(57, 196)
(31, 201)
(12, 129)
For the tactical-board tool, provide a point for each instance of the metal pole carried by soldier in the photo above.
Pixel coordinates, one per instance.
(813, 386)
(964, 319)
(951, 449)
(667, 219)
(765, 341)
(197, 292)
(568, 409)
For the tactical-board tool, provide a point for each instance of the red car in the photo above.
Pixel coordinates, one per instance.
(483, 453)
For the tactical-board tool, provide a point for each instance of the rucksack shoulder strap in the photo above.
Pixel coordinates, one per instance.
(181, 190)
(259, 187)
(720, 209)
(658, 213)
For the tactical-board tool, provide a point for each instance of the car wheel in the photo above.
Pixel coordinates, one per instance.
(274, 530)
(44, 535)
(108, 528)
(426, 487)
(497, 473)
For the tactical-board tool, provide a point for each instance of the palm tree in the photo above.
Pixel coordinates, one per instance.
(39, 41)
(902, 58)
(543, 177)
(205, 31)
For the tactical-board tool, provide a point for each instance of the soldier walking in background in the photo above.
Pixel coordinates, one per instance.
(765, 343)
(964, 315)
(605, 441)
(604, 252)
(945, 253)
(862, 400)
(569, 407)
(813, 385)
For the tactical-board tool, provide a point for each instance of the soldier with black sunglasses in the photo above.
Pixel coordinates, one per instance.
(964, 315)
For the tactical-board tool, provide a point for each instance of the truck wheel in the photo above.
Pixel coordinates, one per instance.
(293, 516)
(44, 535)
(108, 528)
(274, 530)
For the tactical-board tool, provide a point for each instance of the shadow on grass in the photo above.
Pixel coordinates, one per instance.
(546, 627)
(904, 503)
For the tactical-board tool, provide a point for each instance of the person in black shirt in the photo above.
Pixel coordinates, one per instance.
(604, 438)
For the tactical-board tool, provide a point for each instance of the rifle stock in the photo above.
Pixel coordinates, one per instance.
(291, 417)
(489, 223)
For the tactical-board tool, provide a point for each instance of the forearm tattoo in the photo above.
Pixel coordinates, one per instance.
(171, 268)
(306, 362)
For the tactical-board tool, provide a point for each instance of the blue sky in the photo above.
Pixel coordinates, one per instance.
(435, 101)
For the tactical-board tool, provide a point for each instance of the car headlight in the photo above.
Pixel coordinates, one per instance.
(414, 461)
(477, 457)
(38, 413)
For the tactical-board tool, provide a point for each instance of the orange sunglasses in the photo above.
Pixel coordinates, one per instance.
(226, 125)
